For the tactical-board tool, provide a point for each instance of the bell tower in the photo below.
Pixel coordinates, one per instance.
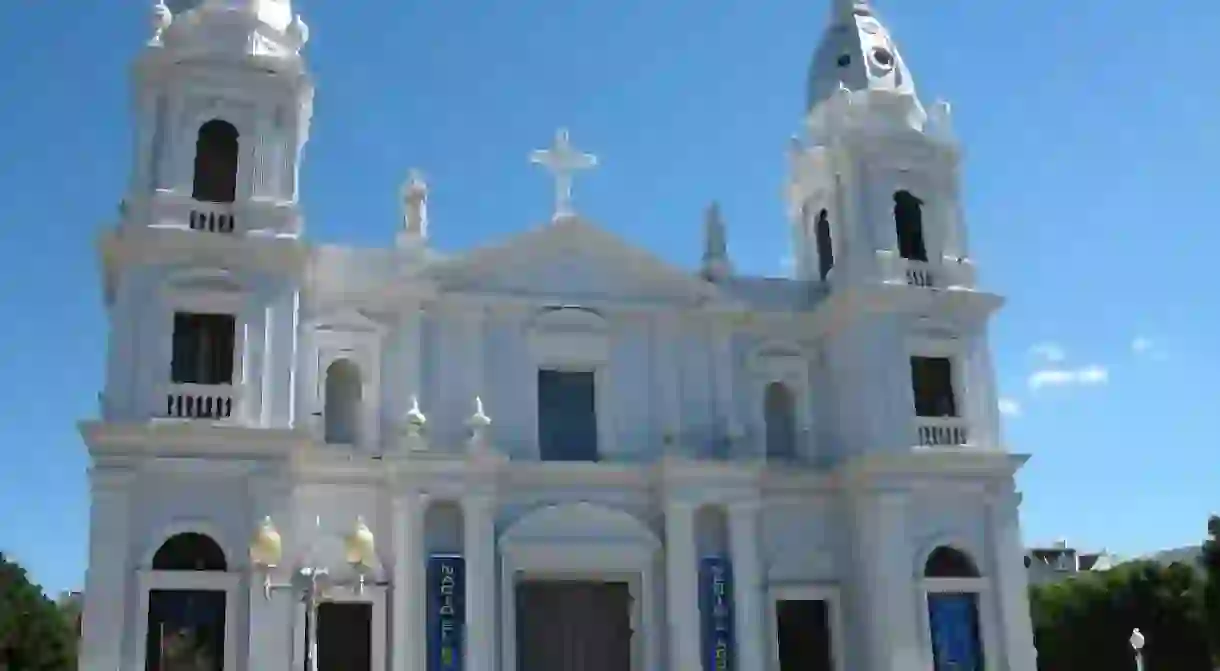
(873, 186)
(223, 104)
(203, 273)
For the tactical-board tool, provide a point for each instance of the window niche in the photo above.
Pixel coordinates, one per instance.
(570, 348)
(932, 381)
(826, 259)
(908, 221)
(216, 162)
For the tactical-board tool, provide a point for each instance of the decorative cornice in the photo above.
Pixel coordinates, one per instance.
(188, 439)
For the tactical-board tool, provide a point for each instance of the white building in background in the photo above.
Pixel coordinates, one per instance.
(557, 451)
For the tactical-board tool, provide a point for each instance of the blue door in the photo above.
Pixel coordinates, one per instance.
(954, 620)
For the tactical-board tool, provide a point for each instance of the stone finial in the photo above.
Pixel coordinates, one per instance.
(414, 209)
(414, 427)
(162, 18)
(478, 424)
(298, 31)
(716, 265)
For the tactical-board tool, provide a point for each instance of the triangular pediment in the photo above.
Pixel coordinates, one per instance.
(347, 320)
(572, 260)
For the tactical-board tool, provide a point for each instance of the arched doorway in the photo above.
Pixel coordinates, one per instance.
(187, 619)
(952, 582)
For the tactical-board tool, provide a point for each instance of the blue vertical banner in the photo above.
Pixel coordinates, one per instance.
(716, 611)
(446, 612)
(955, 632)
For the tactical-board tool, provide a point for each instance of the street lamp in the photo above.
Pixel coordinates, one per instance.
(1137, 644)
(311, 582)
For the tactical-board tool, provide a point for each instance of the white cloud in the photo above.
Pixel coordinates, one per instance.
(1010, 408)
(1065, 377)
(1048, 352)
(1143, 346)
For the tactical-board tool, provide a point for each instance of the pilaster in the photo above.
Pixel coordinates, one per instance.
(405, 362)
(667, 350)
(478, 523)
(107, 578)
(885, 581)
(748, 603)
(722, 371)
(408, 622)
(1011, 583)
(270, 630)
(682, 598)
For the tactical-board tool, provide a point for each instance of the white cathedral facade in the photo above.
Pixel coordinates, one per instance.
(556, 452)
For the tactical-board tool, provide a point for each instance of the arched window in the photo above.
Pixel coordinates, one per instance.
(189, 552)
(341, 412)
(949, 562)
(779, 414)
(953, 610)
(908, 218)
(216, 152)
(826, 257)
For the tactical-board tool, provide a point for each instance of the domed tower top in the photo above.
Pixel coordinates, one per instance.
(856, 53)
(210, 29)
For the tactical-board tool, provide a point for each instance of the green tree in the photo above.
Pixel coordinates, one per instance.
(1084, 623)
(34, 634)
(1211, 594)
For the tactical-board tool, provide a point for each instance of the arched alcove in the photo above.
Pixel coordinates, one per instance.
(216, 158)
(343, 400)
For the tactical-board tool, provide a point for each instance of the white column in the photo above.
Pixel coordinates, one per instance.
(891, 604)
(1010, 584)
(748, 603)
(409, 636)
(479, 527)
(108, 578)
(681, 586)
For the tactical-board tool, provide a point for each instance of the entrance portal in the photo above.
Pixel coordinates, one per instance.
(573, 626)
(345, 636)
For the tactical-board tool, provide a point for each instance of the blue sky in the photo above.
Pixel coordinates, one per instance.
(1090, 136)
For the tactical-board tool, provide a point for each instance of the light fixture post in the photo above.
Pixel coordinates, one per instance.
(310, 584)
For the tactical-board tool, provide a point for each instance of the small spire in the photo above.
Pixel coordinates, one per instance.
(716, 264)
(414, 210)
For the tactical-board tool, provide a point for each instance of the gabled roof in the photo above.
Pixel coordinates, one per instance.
(572, 259)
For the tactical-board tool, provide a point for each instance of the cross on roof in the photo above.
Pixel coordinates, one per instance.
(562, 160)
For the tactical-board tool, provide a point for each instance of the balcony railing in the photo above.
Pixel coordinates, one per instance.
(213, 218)
(200, 401)
(920, 274)
(941, 432)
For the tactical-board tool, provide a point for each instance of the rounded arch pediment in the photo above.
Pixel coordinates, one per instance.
(569, 318)
(956, 543)
(578, 522)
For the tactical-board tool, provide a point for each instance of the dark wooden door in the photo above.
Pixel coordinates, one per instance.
(186, 630)
(573, 626)
(345, 636)
(804, 636)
